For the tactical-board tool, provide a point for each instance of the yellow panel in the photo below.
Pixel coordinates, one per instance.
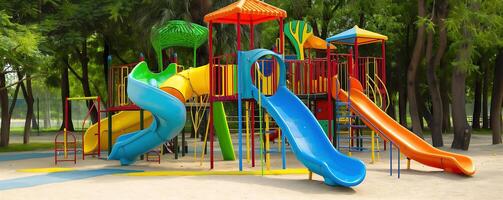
(213, 173)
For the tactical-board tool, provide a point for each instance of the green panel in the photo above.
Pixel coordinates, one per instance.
(177, 33)
(298, 32)
(324, 125)
(144, 74)
(222, 131)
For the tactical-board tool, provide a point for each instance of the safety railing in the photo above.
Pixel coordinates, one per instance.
(117, 84)
(223, 77)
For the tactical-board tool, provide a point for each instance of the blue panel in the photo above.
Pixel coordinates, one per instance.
(347, 36)
(23, 156)
(58, 177)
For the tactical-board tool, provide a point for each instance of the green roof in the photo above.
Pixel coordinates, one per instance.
(177, 33)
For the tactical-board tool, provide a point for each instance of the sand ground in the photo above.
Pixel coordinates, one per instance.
(419, 182)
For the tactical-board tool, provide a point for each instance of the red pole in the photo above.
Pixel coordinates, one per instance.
(383, 55)
(356, 59)
(252, 36)
(212, 89)
(239, 32)
(329, 92)
(281, 39)
(99, 130)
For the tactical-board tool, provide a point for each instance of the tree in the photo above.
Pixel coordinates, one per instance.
(497, 99)
(473, 25)
(412, 72)
(439, 14)
(19, 48)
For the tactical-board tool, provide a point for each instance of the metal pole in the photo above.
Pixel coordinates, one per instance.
(99, 130)
(398, 162)
(390, 158)
(176, 146)
(183, 141)
(212, 92)
(240, 111)
(109, 132)
(283, 148)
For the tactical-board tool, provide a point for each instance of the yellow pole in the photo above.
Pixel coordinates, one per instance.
(267, 145)
(65, 143)
(408, 163)
(204, 144)
(247, 116)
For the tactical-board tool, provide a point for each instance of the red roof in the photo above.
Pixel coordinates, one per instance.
(250, 12)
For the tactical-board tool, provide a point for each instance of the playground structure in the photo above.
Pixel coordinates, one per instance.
(346, 90)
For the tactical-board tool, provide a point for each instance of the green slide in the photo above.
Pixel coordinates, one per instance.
(222, 131)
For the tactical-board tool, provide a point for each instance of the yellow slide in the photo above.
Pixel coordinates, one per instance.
(124, 122)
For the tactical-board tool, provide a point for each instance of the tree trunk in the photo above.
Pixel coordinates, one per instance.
(28, 97)
(432, 64)
(446, 121)
(47, 110)
(497, 99)
(4, 104)
(402, 105)
(65, 93)
(477, 103)
(84, 61)
(412, 72)
(462, 131)
(485, 97)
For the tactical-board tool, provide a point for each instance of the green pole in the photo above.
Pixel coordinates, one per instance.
(194, 54)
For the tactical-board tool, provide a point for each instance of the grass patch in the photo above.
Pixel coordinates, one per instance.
(20, 130)
(16, 147)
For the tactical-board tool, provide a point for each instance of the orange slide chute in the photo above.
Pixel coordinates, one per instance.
(410, 145)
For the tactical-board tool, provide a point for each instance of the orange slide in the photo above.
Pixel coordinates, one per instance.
(410, 145)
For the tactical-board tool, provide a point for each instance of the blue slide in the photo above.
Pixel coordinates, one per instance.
(169, 115)
(307, 139)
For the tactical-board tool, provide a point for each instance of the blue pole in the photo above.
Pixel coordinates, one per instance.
(398, 162)
(240, 123)
(283, 150)
(390, 158)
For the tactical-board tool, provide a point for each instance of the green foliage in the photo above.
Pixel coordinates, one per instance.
(475, 25)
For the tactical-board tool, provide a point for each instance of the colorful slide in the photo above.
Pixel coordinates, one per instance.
(410, 145)
(165, 100)
(123, 122)
(307, 139)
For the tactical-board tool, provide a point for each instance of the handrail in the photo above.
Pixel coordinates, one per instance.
(387, 94)
(373, 90)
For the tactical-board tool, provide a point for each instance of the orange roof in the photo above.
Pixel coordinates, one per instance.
(250, 11)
